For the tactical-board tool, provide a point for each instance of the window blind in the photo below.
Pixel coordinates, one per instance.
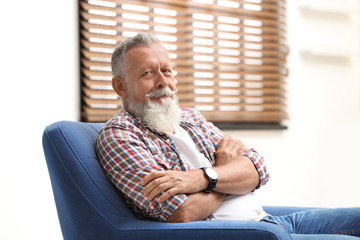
(229, 57)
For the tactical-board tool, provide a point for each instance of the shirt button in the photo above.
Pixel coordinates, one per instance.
(168, 140)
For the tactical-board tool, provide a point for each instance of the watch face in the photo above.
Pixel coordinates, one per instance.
(211, 173)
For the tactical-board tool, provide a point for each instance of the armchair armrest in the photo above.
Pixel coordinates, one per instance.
(205, 230)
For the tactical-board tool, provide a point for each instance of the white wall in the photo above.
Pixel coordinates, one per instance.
(39, 85)
(313, 163)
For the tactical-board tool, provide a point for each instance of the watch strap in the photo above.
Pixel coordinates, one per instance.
(212, 181)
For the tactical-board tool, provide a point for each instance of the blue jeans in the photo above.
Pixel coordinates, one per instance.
(319, 224)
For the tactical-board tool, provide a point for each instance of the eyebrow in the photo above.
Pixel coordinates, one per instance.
(142, 68)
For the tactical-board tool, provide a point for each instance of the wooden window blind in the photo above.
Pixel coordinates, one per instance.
(229, 57)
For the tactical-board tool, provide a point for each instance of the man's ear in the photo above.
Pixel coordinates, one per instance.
(119, 86)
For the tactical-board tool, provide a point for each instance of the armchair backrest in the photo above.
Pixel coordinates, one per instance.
(81, 189)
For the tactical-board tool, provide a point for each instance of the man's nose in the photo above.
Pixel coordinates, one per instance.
(161, 80)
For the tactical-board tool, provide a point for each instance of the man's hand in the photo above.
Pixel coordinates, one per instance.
(228, 150)
(172, 183)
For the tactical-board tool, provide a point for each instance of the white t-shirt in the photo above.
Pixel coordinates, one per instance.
(235, 207)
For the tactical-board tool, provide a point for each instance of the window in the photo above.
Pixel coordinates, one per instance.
(229, 56)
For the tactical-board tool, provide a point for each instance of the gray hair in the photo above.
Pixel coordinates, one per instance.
(118, 60)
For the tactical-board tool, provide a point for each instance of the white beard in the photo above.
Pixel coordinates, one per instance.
(161, 117)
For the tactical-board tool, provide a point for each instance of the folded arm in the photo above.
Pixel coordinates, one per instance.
(237, 177)
(240, 171)
(198, 206)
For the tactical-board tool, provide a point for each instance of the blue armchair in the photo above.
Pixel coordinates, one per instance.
(89, 207)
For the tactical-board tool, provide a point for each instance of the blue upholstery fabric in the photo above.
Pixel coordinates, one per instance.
(89, 207)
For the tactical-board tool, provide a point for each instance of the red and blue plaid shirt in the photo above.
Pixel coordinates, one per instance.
(128, 150)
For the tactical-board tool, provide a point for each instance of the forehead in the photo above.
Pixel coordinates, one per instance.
(143, 53)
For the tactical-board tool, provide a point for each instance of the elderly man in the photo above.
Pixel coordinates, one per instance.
(171, 165)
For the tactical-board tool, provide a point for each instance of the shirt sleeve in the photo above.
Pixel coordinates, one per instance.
(126, 160)
(260, 165)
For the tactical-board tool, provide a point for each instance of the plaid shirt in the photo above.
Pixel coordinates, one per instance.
(128, 150)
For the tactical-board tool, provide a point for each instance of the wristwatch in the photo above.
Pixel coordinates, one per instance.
(212, 176)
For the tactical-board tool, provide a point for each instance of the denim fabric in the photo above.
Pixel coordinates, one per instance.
(336, 224)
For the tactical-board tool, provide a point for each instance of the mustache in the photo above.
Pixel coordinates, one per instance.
(161, 92)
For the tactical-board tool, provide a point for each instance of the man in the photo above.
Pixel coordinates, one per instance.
(171, 165)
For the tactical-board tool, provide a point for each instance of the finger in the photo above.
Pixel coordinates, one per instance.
(161, 188)
(243, 146)
(150, 177)
(240, 151)
(155, 183)
(168, 194)
(226, 143)
(221, 143)
(233, 145)
(225, 140)
(240, 144)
